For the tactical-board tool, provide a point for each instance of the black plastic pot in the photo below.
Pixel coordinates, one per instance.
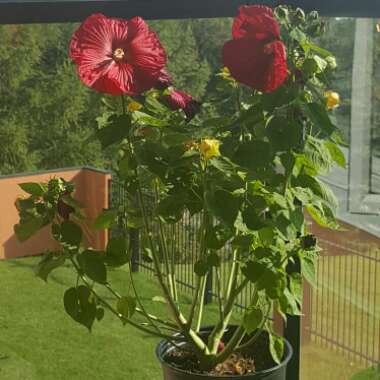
(277, 372)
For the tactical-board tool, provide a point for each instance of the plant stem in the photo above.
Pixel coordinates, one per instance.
(201, 297)
(258, 332)
(120, 316)
(139, 301)
(165, 251)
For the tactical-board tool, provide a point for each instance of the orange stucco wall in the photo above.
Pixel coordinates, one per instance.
(91, 190)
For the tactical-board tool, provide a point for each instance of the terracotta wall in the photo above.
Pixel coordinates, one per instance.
(91, 190)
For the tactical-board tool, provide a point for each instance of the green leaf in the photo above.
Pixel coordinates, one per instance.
(126, 306)
(71, 233)
(145, 119)
(117, 128)
(323, 216)
(320, 189)
(213, 260)
(49, 262)
(126, 167)
(70, 201)
(336, 154)
(80, 305)
(106, 219)
(27, 228)
(35, 189)
(296, 286)
(284, 134)
(307, 46)
(308, 270)
(298, 35)
(252, 220)
(117, 253)
(217, 236)
(171, 208)
(266, 235)
(319, 116)
(92, 264)
(254, 154)
(201, 268)
(276, 347)
(223, 205)
(252, 319)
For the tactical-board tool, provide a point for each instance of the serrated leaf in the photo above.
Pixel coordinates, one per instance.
(336, 153)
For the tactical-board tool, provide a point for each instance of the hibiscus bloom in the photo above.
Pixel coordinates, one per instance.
(256, 21)
(180, 100)
(117, 56)
(255, 56)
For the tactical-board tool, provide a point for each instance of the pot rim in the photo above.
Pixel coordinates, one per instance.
(165, 345)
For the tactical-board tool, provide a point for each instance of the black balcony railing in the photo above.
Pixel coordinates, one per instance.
(46, 11)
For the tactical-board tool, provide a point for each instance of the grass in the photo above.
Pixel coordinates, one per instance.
(367, 374)
(38, 341)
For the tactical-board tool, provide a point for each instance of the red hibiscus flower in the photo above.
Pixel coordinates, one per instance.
(117, 56)
(180, 100)
(256, 21)
(256, 57)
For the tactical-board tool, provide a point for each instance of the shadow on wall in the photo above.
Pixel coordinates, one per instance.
(91, 190)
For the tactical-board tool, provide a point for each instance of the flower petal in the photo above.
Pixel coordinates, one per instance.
(146, 51)
(135, 70)
(255, 64)
(256, 21)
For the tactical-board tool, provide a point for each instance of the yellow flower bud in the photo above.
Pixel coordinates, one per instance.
(209, 148)
(134, 106)
(332, 99)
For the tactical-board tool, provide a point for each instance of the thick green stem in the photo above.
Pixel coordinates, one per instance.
(218, 331)
(201, 298)
(194, 302)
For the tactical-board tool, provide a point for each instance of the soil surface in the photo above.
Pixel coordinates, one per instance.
(250, 360)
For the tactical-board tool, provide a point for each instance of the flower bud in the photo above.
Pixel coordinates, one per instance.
(331, 62)
(332, 99)
(313, 16)
(300, 14)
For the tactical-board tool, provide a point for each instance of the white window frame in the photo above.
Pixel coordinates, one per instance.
(360, 199)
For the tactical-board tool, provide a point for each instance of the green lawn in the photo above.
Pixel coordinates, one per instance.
(38, 341)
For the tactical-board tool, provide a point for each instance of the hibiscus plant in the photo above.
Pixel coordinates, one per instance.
(247, 161)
